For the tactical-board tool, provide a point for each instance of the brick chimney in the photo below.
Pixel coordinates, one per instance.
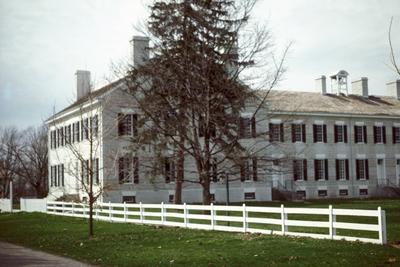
(82, 83)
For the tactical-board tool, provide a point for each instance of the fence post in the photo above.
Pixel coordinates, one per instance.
(332, 220)
(185, 220)
(47, 210)
(72, 208)
(84, 210)
(162, 213)
(97, 212)
(283, 218)
(382, 226)
(62, 207)
(212, 216)
(109, 211)
(124, 211)
(244, 218)
(141, 212)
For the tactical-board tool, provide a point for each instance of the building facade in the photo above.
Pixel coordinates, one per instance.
(318, 145)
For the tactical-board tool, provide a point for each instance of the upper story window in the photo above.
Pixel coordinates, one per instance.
(342, 169)
(53, 139)
(298, 133)
(379, 134)
(94, 125)
(128, 170)
(276, 133)
(169, 169)
(362, 170)
(340, 133)
(127, 124)
(396, 135)
(76, 131)
(300, 170)
(321, 169)
(319, 133)
(247, 127)
(360, 134)
(248, 169)
(67, 135)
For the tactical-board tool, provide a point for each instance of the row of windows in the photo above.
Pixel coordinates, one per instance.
(298, 132)
(324, 192)
(57, 173)
(74, 132)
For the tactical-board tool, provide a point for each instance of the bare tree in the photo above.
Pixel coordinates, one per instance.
(32, 159)
(9, 142)
(393, 60)
(194, 88)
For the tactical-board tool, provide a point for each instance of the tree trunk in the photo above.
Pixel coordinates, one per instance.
(90, 216)
(206, 189)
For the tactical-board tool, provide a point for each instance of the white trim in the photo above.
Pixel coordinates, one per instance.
(276, 121)
(397, 156)
(322, 188)
(249, 190)
(359, 123)
(341, 156)
(380, 124)
(171, 192)
(319, 122)
(396, 124)
(298, 122)
(320, 156)
(363, 186)
(380, 156)
(361, 156)
(128, 193)
(341, 187)
(127, 111)
(340, 123)
(341, 115)
(246, 115)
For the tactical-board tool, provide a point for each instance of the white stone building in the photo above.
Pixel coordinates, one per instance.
(321, 144)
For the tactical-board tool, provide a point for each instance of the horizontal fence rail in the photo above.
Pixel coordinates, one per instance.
(324, 223)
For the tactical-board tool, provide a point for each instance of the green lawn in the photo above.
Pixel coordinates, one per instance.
(139, 245)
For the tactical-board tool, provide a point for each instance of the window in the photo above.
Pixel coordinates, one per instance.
(169, 169)
(249, 195)
(96, 171)
(360, 134)
(52, 176)
(298, 133)
(342, 169)
(362, 172)
(128, 170)
(396, 135)
(59, 137)
(171, 198)
(247, 127)
(212, 198)
(248, 169)
(214, 170)
(60, 175)
(94, 125)
(76, 132)
(363, 192)
(301, 194)
(379, 134)
(68, 134)
(340, 132)
(319, 133)
(85, 171)
(276, 132)
(85, 129)
(322, 193)
(300, 170)
(321, 169)
(211, 127)
(127, 124)
(129, 199)
(343, 192)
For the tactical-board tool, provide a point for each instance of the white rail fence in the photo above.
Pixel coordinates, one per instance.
(281, 220)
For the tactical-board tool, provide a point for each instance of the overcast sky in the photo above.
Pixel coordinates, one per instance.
(43, 43)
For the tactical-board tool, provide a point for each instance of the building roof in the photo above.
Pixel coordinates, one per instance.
(313, 102)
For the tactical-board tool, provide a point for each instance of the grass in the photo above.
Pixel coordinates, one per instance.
(140, 245)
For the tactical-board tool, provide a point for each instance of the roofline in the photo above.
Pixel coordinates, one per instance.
(347, 115)
(68, 112)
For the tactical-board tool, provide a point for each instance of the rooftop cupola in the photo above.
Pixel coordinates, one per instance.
(339, 82)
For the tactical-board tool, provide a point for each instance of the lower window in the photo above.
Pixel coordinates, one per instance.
(363, 192)
(250, 195)
(343, 192)
(301, 194)
(171, 198)
(129, 199)
(212, 197)
(322, 193)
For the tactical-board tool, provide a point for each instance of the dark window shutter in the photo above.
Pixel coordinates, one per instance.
(366, 170)
(120, 170)
(282, 133)
(242, 171)
(305, 169)
(325, 134)
(384, 134)
(335, 130)
(394, 134)
(135, 165)
(347, 169)
(135, 124)
(326, 170)
(365, 134)
(357, 169)
(315, 170)
(62, 174)
(120, 124)
(293, 133)
(303, 132)
(295, 170)
(355, 134)
(314, 133)
(270, 131)
(255, 177)
(337, 169)
(375, 137)
(253, 127)
(345, 133)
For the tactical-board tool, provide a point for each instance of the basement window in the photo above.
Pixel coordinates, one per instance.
(129, 199)
(343, 192)
(250, 195)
